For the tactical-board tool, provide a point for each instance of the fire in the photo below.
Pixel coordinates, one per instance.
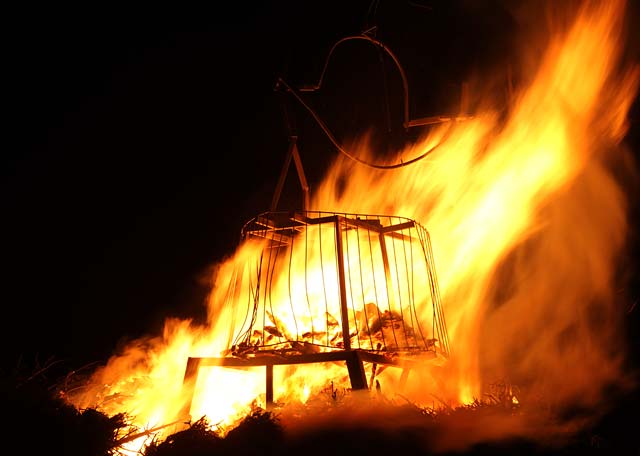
(526, 218)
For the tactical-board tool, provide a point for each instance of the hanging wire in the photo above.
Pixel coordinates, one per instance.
(342, 150)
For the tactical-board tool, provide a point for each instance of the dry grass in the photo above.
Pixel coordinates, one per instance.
(41, 422)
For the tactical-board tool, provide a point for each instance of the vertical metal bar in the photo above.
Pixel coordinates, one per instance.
(269, 385)
(283, 173)
(387, 275)
(356, 371)
(292, 153)
(344, 312)
(387, 271)
(303, 179)
(189, 385)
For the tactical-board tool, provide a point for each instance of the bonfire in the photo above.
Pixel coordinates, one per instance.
(509, 290)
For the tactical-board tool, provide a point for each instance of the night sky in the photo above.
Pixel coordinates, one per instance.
(134, 153)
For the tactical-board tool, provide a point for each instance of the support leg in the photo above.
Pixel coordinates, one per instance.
(189, 386)
(356, 372)
(269, 386)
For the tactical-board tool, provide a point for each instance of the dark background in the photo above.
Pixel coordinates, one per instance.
(134, 153)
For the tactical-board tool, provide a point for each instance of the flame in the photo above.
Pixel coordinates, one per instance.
(527, 218)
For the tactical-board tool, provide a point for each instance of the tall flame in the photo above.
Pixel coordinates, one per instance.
(527, 220)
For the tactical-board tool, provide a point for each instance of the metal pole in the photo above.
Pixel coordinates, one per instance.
(344, 312)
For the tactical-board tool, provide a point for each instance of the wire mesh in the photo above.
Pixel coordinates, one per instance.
(313, 282)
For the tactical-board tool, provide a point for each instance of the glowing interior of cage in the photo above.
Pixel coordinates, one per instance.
(295, 293)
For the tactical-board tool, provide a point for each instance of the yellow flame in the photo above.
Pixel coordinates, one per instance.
(526, 219)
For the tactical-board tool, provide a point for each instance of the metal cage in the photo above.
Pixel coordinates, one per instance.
(327, 286)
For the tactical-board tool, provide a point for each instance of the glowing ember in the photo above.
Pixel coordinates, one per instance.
(526, 219)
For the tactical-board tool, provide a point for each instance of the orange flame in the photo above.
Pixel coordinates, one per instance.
(526, 217)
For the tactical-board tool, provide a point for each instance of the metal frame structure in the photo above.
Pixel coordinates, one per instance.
(278, 231)
(399, 244)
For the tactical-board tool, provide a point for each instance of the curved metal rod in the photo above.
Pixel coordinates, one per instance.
(405, 84)
(407, 121)
(342, 150)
